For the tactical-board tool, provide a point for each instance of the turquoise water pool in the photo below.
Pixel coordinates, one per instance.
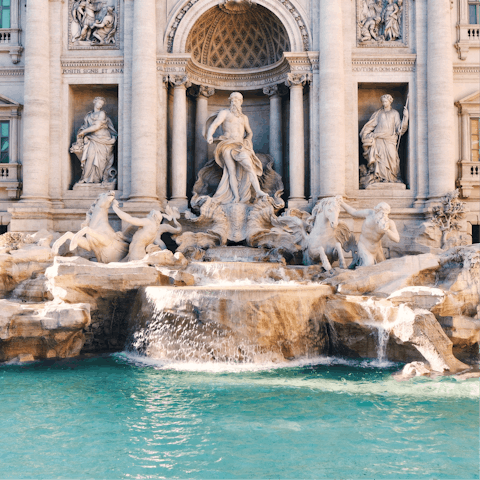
(117, 417)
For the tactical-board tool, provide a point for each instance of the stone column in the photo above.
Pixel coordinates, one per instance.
(162, 169)
(14, 137)
(297, 142)
(36, 117)
(144, 105)
(441, 118)
(332, 100)
(276, 144)
(201, 115)
(179, 142)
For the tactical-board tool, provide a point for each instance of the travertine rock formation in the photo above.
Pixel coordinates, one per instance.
(44, 330)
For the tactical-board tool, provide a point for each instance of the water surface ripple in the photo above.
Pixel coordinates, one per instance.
(123, 417)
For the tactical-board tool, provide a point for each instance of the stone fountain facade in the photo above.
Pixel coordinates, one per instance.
(311, 72)
(263, 141)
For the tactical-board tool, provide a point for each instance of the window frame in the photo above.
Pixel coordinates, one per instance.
(476, 4)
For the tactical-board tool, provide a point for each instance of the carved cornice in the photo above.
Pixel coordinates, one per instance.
(403, 63)
(466, 70)
(12, 72)
(92, 66)
(232, 79)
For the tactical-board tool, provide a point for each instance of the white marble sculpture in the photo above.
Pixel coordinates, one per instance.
(234, 153)
(150, 231)
(96, 234)
(380, 139)
(380, 21)
(321, 235)
(95, 146)
(374, 228)
(372, 17)
(93, 23)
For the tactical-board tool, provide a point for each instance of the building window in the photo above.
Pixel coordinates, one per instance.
(474, 12)
(5, 13)
(3, 229)
(4, 142)
(475, 131)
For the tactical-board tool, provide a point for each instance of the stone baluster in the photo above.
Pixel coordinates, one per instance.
(332, 100)
(36, 117)
(296, 83)
(441, 118)
(179, 199)
(144, 105)
(201, 145)
(276, 144)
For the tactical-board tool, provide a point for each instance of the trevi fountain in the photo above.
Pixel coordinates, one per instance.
(238, 239)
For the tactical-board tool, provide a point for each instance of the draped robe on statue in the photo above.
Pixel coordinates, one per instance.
(381, 152)
(98, 155)
(238, 151)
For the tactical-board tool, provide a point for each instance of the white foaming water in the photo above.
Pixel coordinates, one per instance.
(242, 375)
(384, 316)
(177, 334)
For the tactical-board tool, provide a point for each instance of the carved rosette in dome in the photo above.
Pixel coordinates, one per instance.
(251, 38)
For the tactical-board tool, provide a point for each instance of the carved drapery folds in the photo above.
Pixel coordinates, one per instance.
(382, 23)
(93, 25)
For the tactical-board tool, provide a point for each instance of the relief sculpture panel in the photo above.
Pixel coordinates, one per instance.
(382, 23)
(93, 24)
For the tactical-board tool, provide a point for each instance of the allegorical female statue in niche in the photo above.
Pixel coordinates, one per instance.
(94, 146)
(380, 138)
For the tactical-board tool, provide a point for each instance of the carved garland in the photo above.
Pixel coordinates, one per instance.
(286, 3)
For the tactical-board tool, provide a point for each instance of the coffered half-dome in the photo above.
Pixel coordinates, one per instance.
(252, 38)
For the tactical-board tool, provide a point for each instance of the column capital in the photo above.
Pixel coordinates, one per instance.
(274, 91)
(204, 91)
(297, 79)
(179, 81)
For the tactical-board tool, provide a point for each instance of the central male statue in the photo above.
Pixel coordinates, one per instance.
(234, 153)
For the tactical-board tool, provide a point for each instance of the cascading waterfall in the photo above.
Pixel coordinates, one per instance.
(173, 331)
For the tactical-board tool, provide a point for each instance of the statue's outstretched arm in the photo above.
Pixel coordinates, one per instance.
(139, 222)
(354, 213)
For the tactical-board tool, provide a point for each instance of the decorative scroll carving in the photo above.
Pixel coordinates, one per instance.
(295, 79)
(382, 23)
(93, 25)
(179, 81)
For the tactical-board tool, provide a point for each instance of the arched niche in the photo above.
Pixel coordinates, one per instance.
(186, 15)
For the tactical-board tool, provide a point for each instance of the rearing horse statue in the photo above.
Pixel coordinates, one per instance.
(321, 235)
(97, 235)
